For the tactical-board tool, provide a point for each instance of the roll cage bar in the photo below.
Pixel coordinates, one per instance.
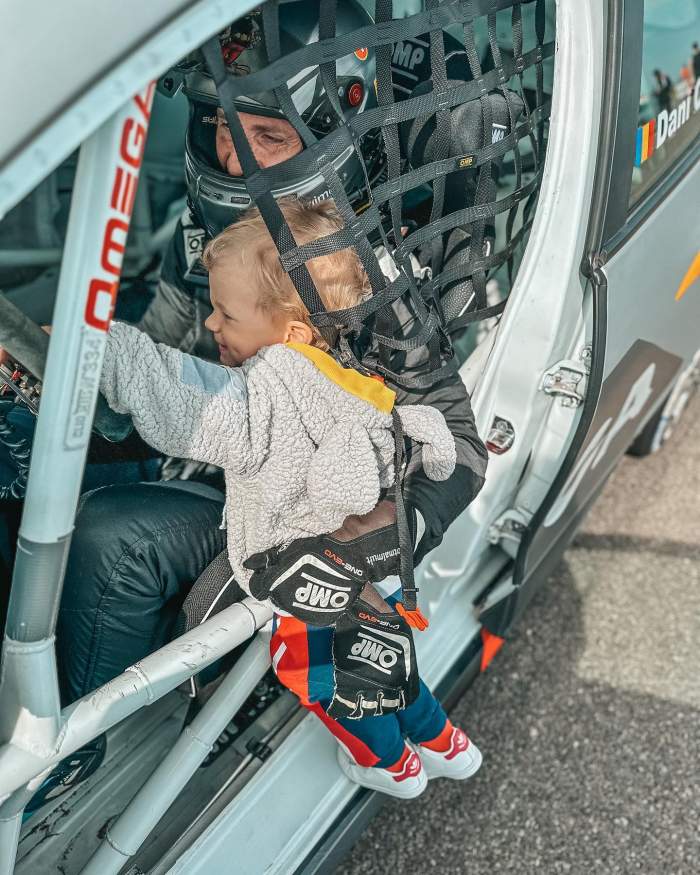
(35, 733)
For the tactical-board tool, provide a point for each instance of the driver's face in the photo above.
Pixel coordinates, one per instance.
(272, 140)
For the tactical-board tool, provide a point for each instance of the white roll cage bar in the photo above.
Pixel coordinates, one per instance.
(110, 124)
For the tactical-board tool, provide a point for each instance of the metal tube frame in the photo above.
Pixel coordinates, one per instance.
(141, 684)
(125, 836)
(101, 205)
(34, 733)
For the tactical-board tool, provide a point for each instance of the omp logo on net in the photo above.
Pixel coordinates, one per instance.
(102, 291)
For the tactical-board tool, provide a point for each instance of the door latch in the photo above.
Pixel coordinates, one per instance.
(507, 531)
(567, 380)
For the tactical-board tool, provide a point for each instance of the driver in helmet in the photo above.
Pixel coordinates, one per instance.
(217, 194)
(137, 550)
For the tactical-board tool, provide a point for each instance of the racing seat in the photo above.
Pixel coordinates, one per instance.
(214, 590)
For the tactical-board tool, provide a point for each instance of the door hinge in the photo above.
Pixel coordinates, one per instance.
(568, 379)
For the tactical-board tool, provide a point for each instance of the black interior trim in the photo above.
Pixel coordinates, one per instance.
(624, 78)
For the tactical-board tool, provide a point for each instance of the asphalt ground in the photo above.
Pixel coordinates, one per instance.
(589, 717)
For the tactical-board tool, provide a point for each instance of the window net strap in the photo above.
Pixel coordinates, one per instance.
(467, 114)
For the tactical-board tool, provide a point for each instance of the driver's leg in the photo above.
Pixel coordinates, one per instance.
(135, 552)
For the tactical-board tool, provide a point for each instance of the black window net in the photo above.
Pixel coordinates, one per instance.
(459, 106)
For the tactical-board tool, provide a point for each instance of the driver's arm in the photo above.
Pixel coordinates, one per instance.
(440, 503)
(170, 315)
(173, 316)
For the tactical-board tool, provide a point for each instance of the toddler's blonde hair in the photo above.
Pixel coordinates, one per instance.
(339, 277)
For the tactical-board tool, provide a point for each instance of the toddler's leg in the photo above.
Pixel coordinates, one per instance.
(444, 749)
(372, 751)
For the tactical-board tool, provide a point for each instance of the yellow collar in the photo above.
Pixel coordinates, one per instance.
(369, 389)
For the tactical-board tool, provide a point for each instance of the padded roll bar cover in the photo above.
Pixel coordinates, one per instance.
(28, 343)
(22, 338)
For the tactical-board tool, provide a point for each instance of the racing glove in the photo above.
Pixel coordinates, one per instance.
(313, 579)
(374, 664)
(316, 579)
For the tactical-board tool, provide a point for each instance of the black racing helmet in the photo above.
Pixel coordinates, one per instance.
(216, 198)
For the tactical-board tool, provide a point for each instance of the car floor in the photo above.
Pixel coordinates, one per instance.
(589, 717)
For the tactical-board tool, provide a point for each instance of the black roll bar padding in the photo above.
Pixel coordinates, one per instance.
(22, 338)
(28, 343)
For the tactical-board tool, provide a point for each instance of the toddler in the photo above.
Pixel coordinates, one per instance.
(305, 444)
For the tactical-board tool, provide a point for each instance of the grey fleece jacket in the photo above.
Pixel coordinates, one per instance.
(299, 447)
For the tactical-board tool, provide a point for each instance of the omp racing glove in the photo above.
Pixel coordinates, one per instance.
(374, 664)
(313, 579)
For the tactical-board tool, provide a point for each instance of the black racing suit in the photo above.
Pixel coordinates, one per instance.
(137, 549)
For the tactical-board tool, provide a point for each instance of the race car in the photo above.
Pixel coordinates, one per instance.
(587, 348)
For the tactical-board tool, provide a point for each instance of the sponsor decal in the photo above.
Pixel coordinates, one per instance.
(323, 196)
(646, 138)
(407, 55)
(498, 133)
(82, 402)
(321, 595)
(688, 280)
(193, 240)
(665, 126)
(380, 557)
(371, 618)
(362, 54)
(102, 291)
(346, 566)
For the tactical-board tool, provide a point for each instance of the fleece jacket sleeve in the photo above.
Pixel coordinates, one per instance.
(181, 405)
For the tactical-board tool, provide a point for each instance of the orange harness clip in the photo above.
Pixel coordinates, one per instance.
(416, 618)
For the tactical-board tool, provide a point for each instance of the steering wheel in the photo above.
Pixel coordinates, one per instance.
(28, 343)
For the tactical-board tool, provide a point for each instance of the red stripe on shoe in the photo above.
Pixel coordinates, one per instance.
(412, 767)
(401, 761)
(459, 743)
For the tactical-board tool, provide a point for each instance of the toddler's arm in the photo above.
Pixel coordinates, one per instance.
(181, 405)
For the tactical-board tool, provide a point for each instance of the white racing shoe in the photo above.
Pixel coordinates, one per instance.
(410, 782)
(460, 761)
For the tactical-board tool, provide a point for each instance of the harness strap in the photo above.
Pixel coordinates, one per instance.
(403, 317)
(408, 583)
(260, 194)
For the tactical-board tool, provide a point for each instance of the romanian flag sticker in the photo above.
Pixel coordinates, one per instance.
(646, 137)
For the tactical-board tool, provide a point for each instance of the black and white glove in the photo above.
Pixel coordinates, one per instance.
(374, 664)
(316, 579)
(313, 579)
